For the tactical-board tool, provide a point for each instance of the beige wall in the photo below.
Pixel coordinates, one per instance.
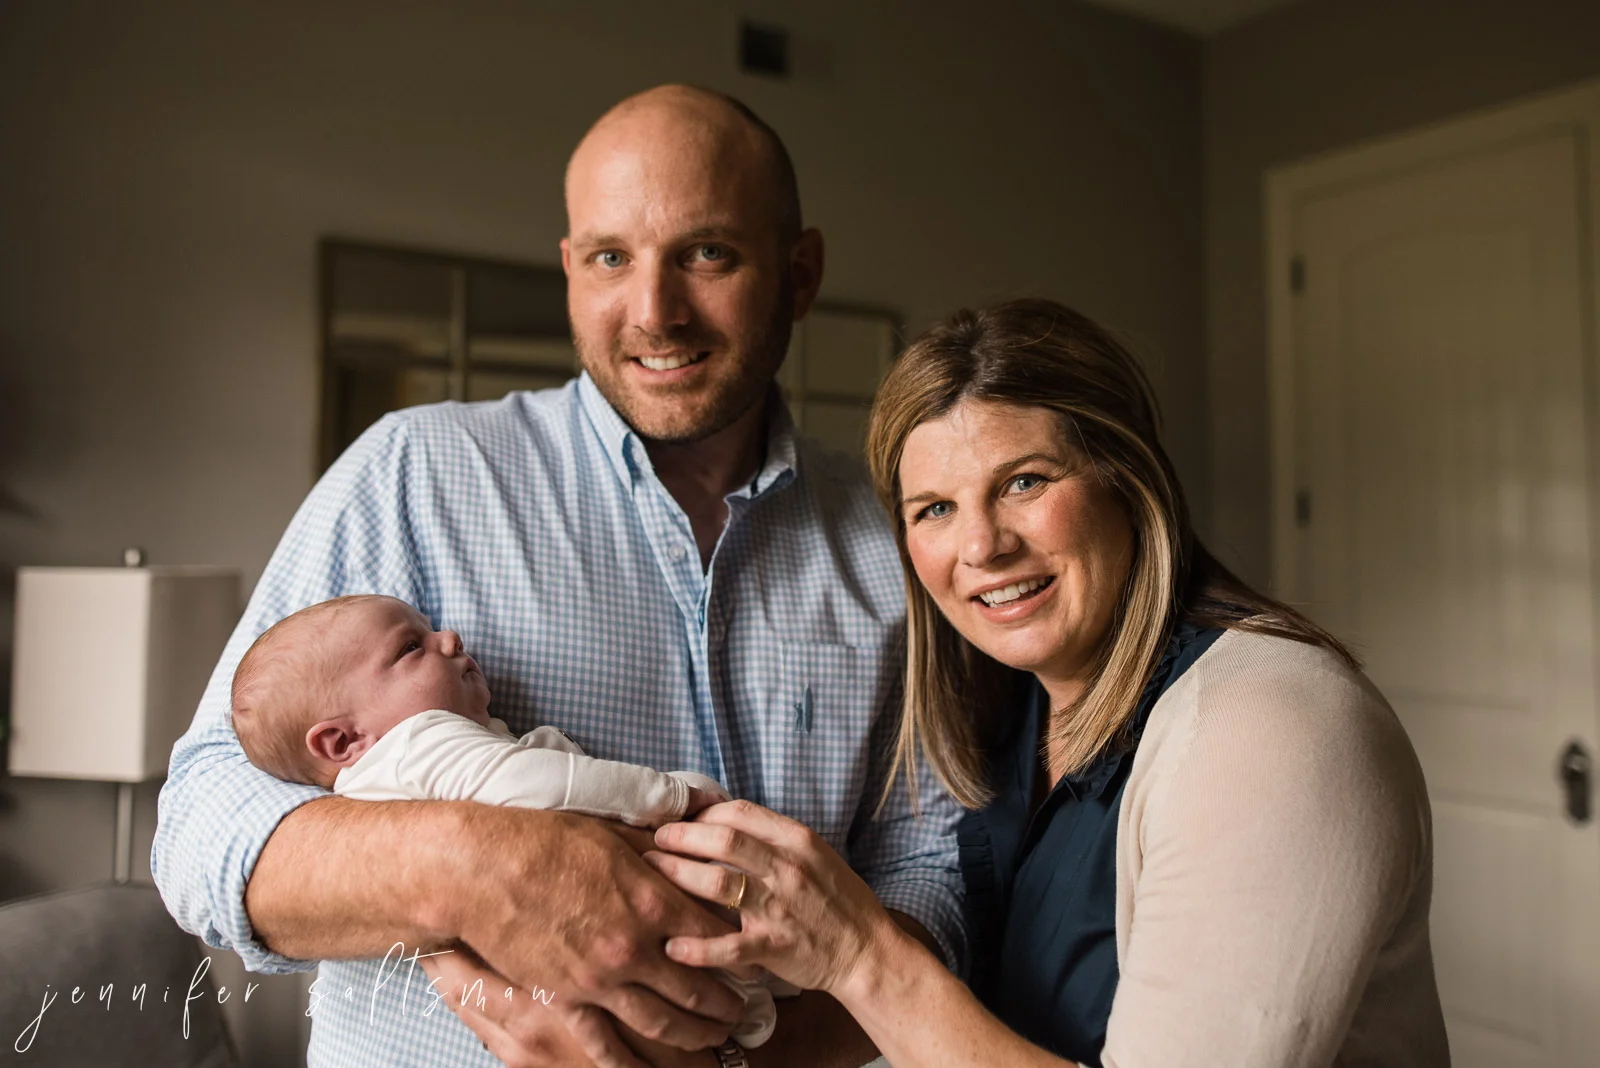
(168, 166)
(1313, 78)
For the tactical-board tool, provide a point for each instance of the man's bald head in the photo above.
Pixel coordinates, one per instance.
(717, 125)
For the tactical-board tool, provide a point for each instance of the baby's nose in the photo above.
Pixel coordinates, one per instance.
(450, 642)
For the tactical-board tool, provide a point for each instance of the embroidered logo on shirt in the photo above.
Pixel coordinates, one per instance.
(802, 713)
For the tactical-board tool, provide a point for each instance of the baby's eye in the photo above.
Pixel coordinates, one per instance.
(411, 647)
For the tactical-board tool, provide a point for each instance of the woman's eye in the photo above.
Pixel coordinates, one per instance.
(1024, 483)
(936, 510)
(609, 259)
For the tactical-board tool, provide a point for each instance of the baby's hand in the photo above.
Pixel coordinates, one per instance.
(704, 791)
(701, 799)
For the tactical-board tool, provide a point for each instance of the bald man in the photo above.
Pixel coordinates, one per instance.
(651, 560)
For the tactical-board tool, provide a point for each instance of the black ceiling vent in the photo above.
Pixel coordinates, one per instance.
(763, 49)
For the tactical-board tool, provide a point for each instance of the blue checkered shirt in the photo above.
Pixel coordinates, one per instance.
(536, 527)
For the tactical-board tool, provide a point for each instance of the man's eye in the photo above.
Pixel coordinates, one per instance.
(610, 259)
(712, 253)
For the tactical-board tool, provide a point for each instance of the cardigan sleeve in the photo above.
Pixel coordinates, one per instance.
(1274, 834)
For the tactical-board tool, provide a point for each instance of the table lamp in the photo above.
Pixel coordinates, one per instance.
(109, 664)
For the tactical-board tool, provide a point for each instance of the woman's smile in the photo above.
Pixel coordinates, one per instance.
(1015, 596)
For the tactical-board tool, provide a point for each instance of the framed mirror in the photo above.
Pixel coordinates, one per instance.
(838, 355)
(400, 327)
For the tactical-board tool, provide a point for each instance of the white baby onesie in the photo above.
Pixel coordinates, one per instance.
(440, 756)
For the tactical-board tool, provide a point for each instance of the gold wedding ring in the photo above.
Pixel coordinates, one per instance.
(738, 899)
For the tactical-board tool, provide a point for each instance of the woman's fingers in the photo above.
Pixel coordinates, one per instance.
(725, 951)
(804, 914)
(716, 884)
(720, 885)
(756, 820)
(721, 842)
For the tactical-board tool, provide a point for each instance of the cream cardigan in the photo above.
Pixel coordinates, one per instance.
(1274, 870)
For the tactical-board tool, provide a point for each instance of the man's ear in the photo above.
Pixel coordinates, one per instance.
(805, 270)
(566, 256)
(338, 741)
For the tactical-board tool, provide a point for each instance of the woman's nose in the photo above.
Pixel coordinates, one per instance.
(984, 539)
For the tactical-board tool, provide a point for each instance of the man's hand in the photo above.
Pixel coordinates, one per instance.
(584, 917)
(519, 1030)
(522, 1031)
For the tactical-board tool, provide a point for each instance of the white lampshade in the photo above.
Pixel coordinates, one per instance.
(110, 663)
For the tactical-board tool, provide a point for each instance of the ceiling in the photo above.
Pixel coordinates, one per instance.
(1204, 18)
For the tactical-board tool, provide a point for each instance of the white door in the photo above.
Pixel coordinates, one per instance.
(1438, 497)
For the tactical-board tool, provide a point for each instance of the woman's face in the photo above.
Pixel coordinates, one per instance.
(1021, 547)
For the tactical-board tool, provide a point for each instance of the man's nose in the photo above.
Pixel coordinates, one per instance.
(658, 305)
(450, 643)
(985, 538)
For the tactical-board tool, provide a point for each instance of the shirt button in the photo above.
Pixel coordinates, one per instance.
(679, 552)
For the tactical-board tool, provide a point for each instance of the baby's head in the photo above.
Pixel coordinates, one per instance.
(320, 687)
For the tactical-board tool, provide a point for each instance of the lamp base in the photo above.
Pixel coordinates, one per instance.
(122, 855)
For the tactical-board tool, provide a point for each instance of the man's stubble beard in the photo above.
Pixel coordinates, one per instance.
(729, 400)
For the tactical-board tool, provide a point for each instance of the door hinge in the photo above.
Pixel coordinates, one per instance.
(1302, 508)
(1297, 275)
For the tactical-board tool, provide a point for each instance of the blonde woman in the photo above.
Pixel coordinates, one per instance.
(1197, 834)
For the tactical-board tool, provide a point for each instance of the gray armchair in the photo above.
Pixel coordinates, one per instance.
(108, 941)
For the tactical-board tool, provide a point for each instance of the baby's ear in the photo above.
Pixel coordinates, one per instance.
(337, 742)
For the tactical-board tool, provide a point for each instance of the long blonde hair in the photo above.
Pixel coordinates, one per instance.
(1036, 353)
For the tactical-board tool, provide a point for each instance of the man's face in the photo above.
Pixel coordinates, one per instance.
(678, 289)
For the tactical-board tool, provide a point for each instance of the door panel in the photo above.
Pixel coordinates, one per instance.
(1441, 433)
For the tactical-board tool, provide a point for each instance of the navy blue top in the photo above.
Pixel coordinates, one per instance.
(1042, 892)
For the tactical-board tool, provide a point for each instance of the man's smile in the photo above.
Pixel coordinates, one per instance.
(671, 361)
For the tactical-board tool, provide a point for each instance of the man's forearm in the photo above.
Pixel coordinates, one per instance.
(342, 879)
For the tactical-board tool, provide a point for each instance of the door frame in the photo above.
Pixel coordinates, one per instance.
(1576, 110)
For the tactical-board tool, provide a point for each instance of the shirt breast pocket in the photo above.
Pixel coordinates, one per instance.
(821, 724)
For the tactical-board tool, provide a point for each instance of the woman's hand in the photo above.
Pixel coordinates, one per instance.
(805, 916)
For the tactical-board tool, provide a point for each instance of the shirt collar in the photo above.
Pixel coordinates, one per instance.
(626, 452)
(616, 436)
(778, 460)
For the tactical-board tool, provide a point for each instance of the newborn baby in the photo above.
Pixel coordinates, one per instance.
(362, 696)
